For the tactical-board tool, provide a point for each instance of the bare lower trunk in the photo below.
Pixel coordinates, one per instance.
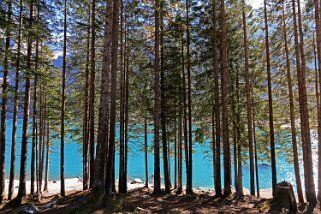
(47, 158)
(146, 152)
(15, 110)
(256, 159)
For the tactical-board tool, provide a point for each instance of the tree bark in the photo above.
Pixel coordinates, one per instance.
(62, 124)
(304, 112)
(268, 67)
(189, 176)
(114, 68)
(92, 93)
(4, 102)
(248, 102)
(318, 36)
(86, 119)
(225, 75)
(15, 109)
(157, 104)
(122, 187)
(146, 151)
(103, 132)
(24, 142)
(256, 159)
(217, 167)
(47, 159)
(292, 113)
(163, 101)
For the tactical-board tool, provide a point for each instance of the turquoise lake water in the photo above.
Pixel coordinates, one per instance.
(202, 165)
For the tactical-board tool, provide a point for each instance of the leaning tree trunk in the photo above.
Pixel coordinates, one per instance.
(292, 113)
(304, 111)
(318, 35)
(92, 94)
(102, 148)
(24, 141)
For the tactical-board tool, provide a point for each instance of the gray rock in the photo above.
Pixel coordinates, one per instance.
(29, 209)
(136, 181)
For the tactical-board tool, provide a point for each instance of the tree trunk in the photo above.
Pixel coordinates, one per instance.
(163, 107)
(248, 102)
(318, 36)
(217, 167)
(4, 102)
(92, 93)
(175, 156)
(42, 135)
(304, 112)
(256, 160)
(102, 139)
(268, 67)
(146, 152)
(47, 159)
(34, 151)
(225, 75)
(126, 107)
(189, 177)
(157, 104)
(180, 146)
(86, 119)
(15, 109)
(24, 141)
(292, 113)
(121, 183)
(111, 155)
(62, 124)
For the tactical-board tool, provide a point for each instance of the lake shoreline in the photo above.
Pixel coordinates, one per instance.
(76, 184)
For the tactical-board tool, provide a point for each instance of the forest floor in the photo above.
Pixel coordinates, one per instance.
(142, 201)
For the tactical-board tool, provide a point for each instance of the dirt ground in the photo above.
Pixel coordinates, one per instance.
(142, 201)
